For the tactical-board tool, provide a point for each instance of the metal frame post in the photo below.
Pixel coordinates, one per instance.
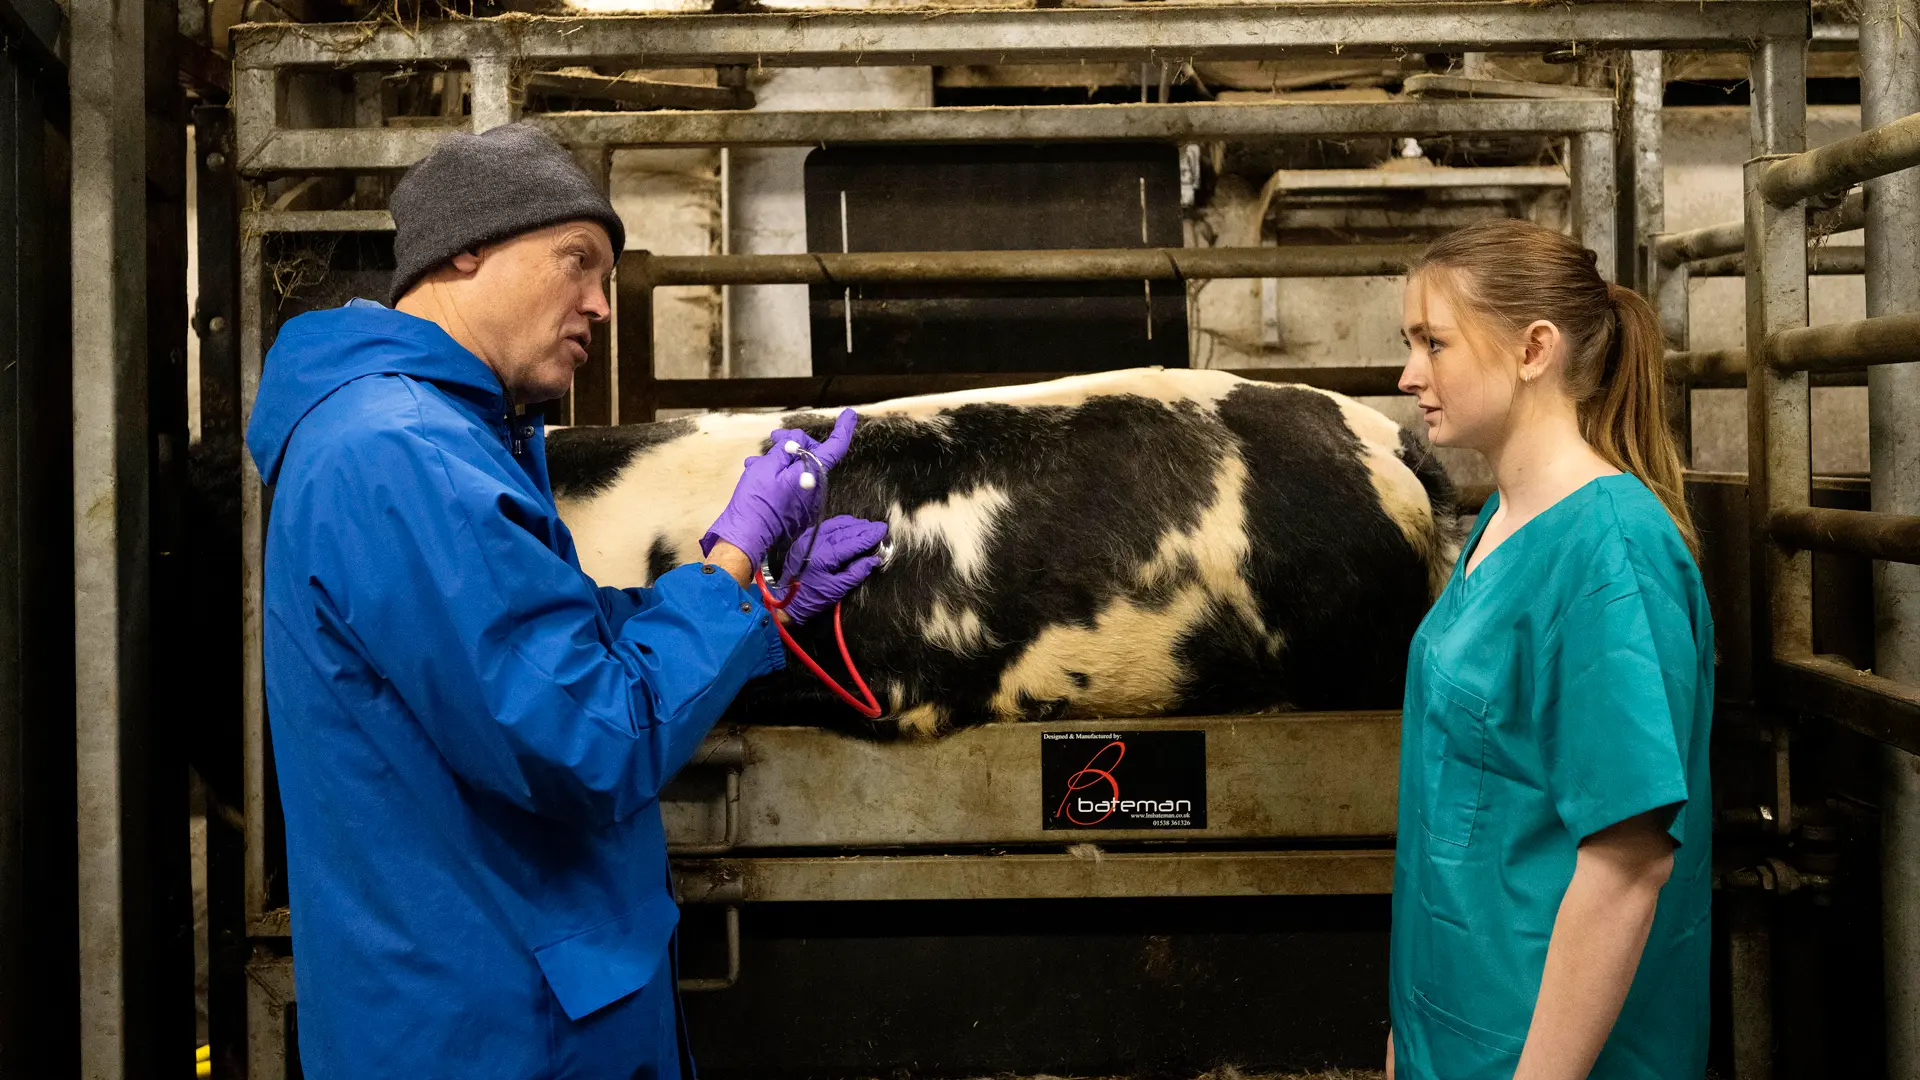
(1890, 91)
(636, 380)
(1779, 464)
(1594, 196)
(490, 92)
(111, 521)
(1644, 169)
(1778, 436)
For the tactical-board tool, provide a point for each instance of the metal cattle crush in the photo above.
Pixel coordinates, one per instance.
(1305, 801)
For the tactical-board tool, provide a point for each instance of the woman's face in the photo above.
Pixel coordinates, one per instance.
(1466, 398)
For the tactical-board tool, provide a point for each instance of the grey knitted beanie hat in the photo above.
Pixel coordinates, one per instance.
(474, 190)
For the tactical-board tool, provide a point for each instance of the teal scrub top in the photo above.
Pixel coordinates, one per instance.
(1564, 686)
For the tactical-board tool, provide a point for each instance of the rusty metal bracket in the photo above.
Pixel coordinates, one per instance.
(730, 754)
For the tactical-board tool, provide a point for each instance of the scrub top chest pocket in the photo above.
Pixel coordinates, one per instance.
(1454, 757)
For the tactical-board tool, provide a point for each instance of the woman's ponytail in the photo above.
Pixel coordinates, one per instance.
(1516, 271)
(1626, 420)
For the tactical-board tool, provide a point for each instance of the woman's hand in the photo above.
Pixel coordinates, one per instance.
(837, 564)
(1389, 1054)
(773, 502)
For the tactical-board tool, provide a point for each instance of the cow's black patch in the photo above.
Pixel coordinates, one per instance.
(1091, 491)
(584, 461)
(660, 559)
(1334, 575)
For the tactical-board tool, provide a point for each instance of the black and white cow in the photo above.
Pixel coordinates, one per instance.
(1129, 543)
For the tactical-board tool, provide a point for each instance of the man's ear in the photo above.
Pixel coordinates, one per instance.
(466, 262)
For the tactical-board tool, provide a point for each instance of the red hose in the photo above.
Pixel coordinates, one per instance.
(870, 707)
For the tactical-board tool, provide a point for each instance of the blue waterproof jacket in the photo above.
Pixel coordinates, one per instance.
(470, 734)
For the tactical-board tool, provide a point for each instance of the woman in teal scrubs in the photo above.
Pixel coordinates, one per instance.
(1551, 882)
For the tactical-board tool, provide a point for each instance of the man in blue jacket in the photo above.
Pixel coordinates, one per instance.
(471, 735)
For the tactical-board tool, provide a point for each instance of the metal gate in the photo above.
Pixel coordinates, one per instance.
(921, 820)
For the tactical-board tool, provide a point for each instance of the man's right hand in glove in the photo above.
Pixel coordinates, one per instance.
(771, 502)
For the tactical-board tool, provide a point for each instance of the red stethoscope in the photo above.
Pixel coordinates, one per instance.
(866, 704)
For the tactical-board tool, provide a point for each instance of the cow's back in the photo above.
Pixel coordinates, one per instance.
(1128, 543)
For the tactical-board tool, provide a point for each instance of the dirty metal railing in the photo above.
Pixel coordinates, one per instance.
(1709, 369)
(267, 148)
(1784, 528)
(1720, 251)
(643, 393)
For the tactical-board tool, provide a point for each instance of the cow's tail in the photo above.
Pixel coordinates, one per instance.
(1443, 546)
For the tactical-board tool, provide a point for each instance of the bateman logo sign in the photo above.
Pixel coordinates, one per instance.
(1123, 780)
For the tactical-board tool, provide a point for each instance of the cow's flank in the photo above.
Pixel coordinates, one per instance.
(1126, 543)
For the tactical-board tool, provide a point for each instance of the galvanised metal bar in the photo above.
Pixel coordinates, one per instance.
(1642, 172)
(1727, 368)
(1343, 180)
(1113, 264)
(1888, 148)
(267, 148)
(1886, 339)
(1672, 299)
(1039, 876)
(261, 222)
(1730, 238)
(1024, 36)
(1778, 431)
(1779, 480)
(1822, 260)
(1124, 264)
(1889, 91)
(1890, 537)
(111, 568)
(1726, 238)
(1880, 708)
(1179, 121)
(1708, 364)
(255, 312)
(490, 90)
(1595, 197)
(642, 395)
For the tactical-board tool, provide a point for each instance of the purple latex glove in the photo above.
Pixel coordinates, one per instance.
(838, 562)
(770, 504)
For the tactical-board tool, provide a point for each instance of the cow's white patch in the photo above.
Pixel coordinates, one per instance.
(673, 489)
(963, 523)
(1402, 496)
(923, 721)
(958, 631)
(1126, 664)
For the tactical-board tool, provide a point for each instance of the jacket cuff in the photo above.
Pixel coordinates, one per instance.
(776, 655)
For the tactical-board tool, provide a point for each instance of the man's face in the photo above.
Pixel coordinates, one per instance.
(532, 301)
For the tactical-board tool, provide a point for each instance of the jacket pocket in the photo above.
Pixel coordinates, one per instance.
(1454, 748)
(597, 967)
